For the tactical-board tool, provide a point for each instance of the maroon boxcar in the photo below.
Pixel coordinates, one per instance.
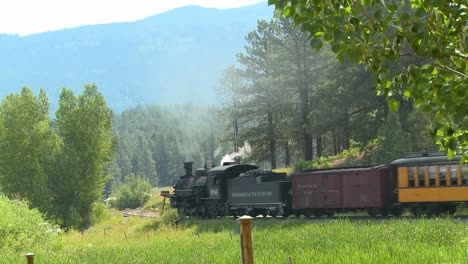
(344, 189)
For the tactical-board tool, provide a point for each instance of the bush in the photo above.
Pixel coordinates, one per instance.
(23, 229)
(170, 217)
(133, 194)
(156, 201)
(319, 163)
(99, 213)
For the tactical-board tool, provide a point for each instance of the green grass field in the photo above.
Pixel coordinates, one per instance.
(138, 240)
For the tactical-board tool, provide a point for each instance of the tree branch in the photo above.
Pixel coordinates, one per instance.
(452, 70)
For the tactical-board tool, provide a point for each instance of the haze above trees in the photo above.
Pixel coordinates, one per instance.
(174, 57)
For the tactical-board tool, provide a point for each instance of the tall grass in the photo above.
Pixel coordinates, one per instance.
(217, 241)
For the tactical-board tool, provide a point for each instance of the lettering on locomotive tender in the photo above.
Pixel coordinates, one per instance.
(251, 194)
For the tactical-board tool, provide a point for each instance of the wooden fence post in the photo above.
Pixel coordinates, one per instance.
(30, 257)
(246, 239)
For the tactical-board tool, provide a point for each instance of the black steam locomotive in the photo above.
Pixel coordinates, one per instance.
(231, 189)
(424, 183)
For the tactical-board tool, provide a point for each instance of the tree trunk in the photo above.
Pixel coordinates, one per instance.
(346, 131)
(272, 141)
(308, 154)
(319, 146)
(236, 136)
(287, 154)
(303, 90)
(335, 144)
(305, 109)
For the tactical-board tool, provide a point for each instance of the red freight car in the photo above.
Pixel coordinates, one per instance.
(344, 189)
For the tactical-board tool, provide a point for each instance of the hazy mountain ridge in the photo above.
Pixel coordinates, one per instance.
(172, 57)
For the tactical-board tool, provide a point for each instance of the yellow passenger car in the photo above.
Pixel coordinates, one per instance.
(430, 183)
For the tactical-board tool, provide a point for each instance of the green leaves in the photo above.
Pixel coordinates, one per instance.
(394, 105)
(422, 50)
(134, 193)
(84, 125)
(23, 229)
(27, 147)
(316, 43)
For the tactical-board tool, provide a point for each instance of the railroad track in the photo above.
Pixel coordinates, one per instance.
(384, 218)
(366, 218)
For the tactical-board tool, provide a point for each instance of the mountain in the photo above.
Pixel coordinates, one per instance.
(173, 57)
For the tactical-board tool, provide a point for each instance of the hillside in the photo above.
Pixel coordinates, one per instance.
(172, 57)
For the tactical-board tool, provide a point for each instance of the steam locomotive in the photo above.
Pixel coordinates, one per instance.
(424, 183)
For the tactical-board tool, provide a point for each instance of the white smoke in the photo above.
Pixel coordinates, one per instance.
(217, 151)
(243, 152)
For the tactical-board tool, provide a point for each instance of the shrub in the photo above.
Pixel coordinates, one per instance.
(99, 213)
(319, 163)
(156, 201)
(132, 194)
(170, 217)
(23, 229)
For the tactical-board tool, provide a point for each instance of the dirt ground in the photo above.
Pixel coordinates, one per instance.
(141, 212)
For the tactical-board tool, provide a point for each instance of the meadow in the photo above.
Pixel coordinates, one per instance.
(159, 240)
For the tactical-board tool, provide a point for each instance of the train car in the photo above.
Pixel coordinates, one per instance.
(429, 183)
(259, 192)
(328, 191)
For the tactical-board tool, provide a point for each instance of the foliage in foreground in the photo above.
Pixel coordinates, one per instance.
(138, 240)
(24, 229)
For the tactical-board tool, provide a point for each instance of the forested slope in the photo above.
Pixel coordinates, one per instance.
(174, 57)
(154, 141)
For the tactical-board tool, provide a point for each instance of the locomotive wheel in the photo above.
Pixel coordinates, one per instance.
(307, 213)
(221, 213)
(318, 213)
(452, 209)
(212, 213)
(416, 212)
(201, 212)
(385, 212)
(396, 211)
(183, 211)
(447, 211)
(330, 213)
(372, 212)
(437, 211)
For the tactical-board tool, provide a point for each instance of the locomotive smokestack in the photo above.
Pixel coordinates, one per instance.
(188, 169)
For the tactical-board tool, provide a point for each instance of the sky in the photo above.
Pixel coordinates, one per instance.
(25, 17)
